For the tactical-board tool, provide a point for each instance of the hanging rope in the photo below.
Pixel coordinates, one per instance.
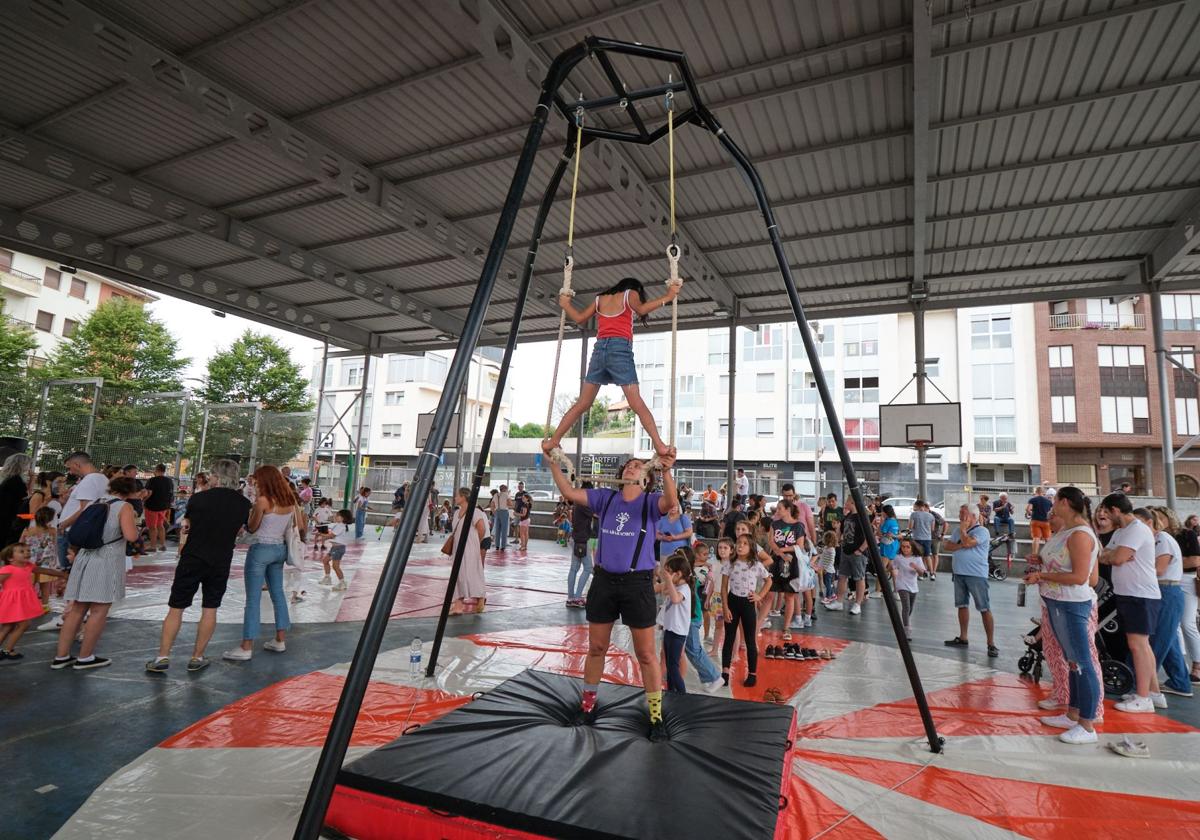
(556, 454)
(673, 279)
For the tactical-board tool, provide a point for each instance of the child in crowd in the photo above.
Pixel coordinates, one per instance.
(19, 603)
(828, 565)
(716, 603)
(703, 574)
(674, 582)
(322, 517)
(906, 568)
(41, 541)
(747, 581)
(339, 530)
(444, 515)
(562, 521)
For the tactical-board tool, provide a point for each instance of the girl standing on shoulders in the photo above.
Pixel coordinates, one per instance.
(612, 355)
(745, 585)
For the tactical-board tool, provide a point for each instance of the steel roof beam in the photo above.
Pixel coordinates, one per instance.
(922, 85)
(135, 265)
(1173, 248)
(94, 38)
(621, 172)
(66, 166)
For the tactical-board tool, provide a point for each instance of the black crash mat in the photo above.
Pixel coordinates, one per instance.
(511, 758)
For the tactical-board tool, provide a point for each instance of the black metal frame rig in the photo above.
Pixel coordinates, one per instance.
(334, 751)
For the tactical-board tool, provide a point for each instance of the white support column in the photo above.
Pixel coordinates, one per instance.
(1165, 403)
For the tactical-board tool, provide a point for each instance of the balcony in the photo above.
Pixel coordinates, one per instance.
(1083, 321)
(21, 284)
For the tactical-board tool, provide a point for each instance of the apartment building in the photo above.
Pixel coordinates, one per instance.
(976, 357)
(52, 301)
(1098, 387)
(400, 389)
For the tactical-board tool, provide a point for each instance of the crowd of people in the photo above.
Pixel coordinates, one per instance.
(711, 585)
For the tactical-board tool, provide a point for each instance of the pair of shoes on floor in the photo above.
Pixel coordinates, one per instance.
(79, 664)
(791, 651)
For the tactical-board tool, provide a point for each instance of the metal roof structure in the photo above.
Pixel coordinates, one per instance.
(336, 168)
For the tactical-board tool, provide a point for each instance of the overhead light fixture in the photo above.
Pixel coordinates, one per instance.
(217, 312)
(720, 312)
(67, 269)
(445, 337)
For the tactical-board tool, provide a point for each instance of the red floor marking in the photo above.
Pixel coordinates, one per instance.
(297, 712)
(810, 812)
(561, 650)
(1000, 705)
(1032, 809)
(786, 675)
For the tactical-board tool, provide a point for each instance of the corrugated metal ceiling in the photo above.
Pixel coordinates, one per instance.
(1065, 141)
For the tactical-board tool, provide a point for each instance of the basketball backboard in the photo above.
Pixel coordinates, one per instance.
(936, 424)
(425, 424)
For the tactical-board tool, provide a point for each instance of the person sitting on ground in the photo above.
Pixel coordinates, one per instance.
(969, 544)
(612, 354)
(213, 520)
(623, 580)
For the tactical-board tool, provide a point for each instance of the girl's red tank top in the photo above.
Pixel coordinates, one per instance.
(615, 326)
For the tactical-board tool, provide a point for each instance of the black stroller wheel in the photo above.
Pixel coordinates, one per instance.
(1025, 663)
(999, 572)
(1118, 677)
(1037, 671)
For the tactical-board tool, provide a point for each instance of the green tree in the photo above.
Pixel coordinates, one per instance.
(596, 419)
(137, 357)
(529, 430)
(258, 369)
(126, 346)
(19, 392)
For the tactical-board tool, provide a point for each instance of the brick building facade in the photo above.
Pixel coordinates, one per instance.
(1098, 395)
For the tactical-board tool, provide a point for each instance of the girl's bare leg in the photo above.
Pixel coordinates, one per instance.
(92, 630)
(587, 396)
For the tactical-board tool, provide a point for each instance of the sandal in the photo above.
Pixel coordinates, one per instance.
(772, 695)
(1129, 748)
(826, 653)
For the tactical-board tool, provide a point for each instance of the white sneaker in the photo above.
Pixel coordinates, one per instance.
(1059, 722)
(1052, 705)
(325, 581)
(1135, 705)
(798, 623)
(52, 624)
(855, 609)
(237, 654)
(278, 647)
(834, 605)
(340, 586)
(876, 594)
(1077, 735)
(714, 686)
(1158, 699)
(766, 625)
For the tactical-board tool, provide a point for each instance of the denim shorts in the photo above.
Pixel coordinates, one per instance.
(612, 363)
(971, 587)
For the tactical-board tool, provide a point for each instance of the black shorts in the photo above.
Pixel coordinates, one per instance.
(193, 573)
(1138, 615)
(629, 597)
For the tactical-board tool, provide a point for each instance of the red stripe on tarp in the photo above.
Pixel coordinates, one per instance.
(810, 813)
(787, 676)
(367, 816)
(1031, 809)
(1001, 705)
(297, 712)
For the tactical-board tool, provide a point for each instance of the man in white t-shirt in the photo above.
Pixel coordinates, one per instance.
(1135, 586)
(742, 483)
(90, 485)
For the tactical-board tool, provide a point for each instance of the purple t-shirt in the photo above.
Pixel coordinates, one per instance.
(620, 526)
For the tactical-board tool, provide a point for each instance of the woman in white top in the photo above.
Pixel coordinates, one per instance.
(471, 588)
(274, 512)
(1068, 571)
(1164, 638)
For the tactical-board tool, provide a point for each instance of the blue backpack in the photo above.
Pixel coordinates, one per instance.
(88, 529)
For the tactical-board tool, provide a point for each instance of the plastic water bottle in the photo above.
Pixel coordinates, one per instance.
(1020, 594)
(414, 658)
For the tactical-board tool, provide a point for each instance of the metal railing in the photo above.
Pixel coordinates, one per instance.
(1083, 321)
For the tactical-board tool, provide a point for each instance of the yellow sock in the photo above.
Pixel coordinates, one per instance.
(654, 701)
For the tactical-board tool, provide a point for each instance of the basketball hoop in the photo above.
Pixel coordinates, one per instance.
(919, 443)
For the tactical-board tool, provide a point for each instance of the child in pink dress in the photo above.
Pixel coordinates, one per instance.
(19, 602)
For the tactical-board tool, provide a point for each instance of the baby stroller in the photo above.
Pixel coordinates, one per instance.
(998, 569)
(1116, 676)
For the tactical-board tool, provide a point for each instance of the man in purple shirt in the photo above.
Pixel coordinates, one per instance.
(623, 579)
